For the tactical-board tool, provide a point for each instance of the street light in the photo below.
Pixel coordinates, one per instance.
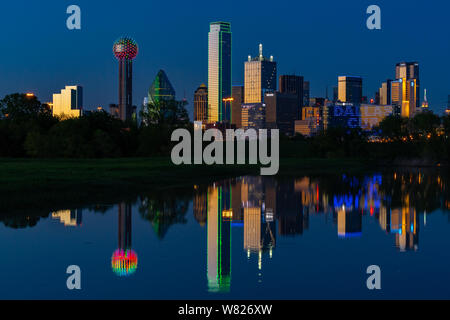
(230, 100)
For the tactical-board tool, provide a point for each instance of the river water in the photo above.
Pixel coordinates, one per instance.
(305, 237)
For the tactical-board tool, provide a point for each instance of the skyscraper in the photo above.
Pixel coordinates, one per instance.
(291, 84)
(125, 50)
(408, 70)
(201, 104)
(335, 94)
(282, 111)
(407, 88)
(306, 93)
(350, 89)
(260, 77)
(68, 103)
(254, 116)
(238, 100)
(161, 89)
(385, 93)
(219, 72)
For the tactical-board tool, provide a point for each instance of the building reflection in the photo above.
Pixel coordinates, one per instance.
(291, 218)
(219, 217)
(124, 260)
(70, 218)
(405, 225)
(267, 208)
(259, 207)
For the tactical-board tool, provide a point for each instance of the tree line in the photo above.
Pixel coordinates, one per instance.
(424, 136)
(28, 129)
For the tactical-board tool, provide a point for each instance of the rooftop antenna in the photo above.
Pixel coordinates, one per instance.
(260, 51)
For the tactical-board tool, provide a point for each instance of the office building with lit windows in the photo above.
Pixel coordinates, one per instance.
(405, 90)
(341, 114)
(385, 93)
(306, 93)
(219, 72)
(253, 116)
(201, 104)
(236, 110)
(291, 84)
(372, 115)
(282, 111)
(311, 121)
(68, 103)
(350, 90)
(260, 77)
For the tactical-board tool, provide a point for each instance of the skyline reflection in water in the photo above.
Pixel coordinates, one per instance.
(246, 219)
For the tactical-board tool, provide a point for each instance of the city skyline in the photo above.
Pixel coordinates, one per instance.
(93, 69)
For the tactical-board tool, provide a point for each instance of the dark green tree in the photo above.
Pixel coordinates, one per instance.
(393, 127)
(424, 124)
(21, 106)
(169, 112)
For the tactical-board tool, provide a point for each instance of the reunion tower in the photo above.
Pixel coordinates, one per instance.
(125, 49)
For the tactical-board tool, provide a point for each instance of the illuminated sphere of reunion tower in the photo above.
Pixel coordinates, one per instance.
(125, 50)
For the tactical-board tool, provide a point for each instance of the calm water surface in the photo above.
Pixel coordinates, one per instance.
(307, 237)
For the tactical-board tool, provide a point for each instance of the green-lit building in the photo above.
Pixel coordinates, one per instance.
(219, 237)
(219, 72)
(161, 89)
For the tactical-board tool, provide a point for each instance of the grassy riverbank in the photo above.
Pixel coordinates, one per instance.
(38, 184)
(30, 174)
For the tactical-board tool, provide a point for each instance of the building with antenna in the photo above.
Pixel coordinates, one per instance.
(425, 104)
(260, 77)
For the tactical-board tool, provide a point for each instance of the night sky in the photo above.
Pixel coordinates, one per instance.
(317, 39)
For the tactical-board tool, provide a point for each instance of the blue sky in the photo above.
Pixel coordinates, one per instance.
(317, 39)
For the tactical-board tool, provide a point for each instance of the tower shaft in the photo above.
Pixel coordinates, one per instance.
(125, 89)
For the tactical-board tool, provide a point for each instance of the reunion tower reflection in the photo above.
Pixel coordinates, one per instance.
(124, 260)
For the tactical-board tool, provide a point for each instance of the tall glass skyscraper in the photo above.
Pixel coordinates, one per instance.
(219, 72)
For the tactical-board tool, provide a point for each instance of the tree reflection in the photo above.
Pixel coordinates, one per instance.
(164, 209)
